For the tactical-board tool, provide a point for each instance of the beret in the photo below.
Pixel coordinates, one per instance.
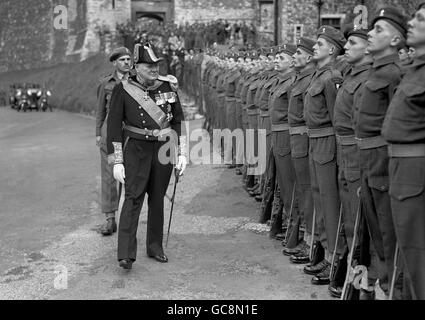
(119, 52)
(289, 49)
(358, 32)
(394, 17)
(333, 35)
(306, 44)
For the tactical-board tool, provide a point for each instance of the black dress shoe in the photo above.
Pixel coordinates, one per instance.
(316, 269)
(335, 292)
(366, 295)
(126, 263)
(238, 171)
(160, 258)
(323, 278)
(259, 198)
(109, 228)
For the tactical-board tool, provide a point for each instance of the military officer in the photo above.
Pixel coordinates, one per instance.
(121, 59)
(389, 30)
(305, 67)
(149, 107)
(404, 129)
(318, 113)
(348, 153)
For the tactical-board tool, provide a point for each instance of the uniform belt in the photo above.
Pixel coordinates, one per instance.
(252, 112)
(230, 99)
(147, 132)
(371, 143)
(346, 140)
(406, 150)
(264, 113)
(298, 130)
(280, 127)
(321, 133)
(221, 95)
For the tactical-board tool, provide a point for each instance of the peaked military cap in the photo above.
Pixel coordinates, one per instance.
(333, 35)
(118, 53)
(394, 17)
(358, 31)
(144, 53)
(306, 44)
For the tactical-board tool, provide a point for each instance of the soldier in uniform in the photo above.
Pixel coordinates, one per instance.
(281, 150)
(121, 59)
(389, 30)
(348, 152)
(230, 83)
(318, 113)
(305, 68)
(149, 107)
(404, 129)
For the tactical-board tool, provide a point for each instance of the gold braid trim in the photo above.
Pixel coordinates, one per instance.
(182, 146)
(119, 159)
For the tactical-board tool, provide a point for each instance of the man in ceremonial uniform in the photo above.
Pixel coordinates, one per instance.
(305, 68)
(149, 107)
(318, 113)
(389, 30)
(404, 129)
(348, 152)
(121, 59)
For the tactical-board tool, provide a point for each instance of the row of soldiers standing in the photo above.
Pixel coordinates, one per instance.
(344, 183)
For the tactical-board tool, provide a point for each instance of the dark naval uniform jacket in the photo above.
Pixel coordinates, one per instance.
(125, 110)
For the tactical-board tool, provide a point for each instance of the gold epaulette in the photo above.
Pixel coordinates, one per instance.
(172, 80)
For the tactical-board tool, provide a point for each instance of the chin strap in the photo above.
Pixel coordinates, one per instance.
(182, 146)
(118, 156)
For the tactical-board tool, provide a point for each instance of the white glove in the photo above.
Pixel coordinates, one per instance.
(119, 173)
(181, 164)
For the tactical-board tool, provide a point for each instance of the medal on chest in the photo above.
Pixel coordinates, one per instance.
(164, 101)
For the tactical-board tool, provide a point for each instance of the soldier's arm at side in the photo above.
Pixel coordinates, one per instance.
(114, 124)
(101, 108)
(330, 94)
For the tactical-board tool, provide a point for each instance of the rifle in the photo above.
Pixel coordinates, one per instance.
(290, 214)
(396, 255)
(312, 234)
(346, 289)
(336, 241)
(176, 180)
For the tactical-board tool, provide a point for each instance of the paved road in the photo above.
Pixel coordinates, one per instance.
(50, 247)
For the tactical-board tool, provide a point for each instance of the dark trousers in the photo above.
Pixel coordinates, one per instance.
(377, 210)
(349, 183)
(407, 185)
(324, 185)
(300, 162)
(144, 174)
(109, 194)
